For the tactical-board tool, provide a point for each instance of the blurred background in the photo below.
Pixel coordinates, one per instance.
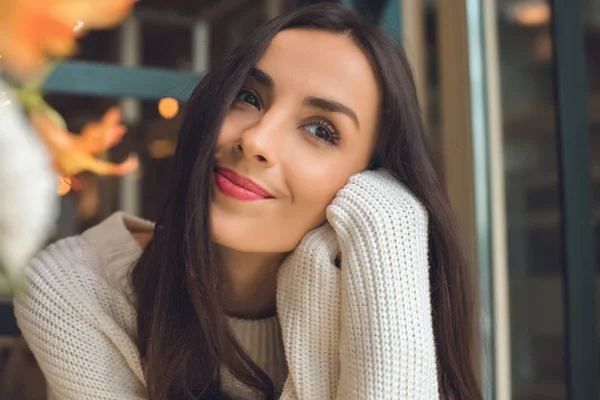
(510, 91)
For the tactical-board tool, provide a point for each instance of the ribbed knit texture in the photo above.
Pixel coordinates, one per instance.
(308, 305)
(386, 337)
(360, 332)
(80, 323)
(365, 331)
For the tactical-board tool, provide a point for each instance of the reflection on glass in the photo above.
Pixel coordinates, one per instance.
(532, 201)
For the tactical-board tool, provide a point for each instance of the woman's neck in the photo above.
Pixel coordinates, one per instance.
(250, 279)
(250, 282)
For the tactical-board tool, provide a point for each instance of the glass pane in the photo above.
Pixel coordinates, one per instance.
(532, 200)
(591, 20)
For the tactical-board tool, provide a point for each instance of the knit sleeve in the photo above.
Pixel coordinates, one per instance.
(79, 328)
(387, 346)
(308, 306)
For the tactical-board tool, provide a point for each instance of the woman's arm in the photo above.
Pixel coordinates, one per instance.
(364, 332)
(308, 307)
(79, 327)
(387, 348)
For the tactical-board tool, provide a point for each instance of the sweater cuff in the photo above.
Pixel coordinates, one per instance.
(374, 203)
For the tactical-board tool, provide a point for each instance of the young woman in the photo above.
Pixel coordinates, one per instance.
(306, 251)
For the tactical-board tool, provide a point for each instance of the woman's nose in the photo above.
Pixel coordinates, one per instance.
(247, 151)
(261, 144)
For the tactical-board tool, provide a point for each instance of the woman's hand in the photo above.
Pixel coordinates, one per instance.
(308, 306)
(387, 348)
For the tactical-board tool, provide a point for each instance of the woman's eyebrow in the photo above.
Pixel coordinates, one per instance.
(265, 79)
(331, 106)
(262, 77)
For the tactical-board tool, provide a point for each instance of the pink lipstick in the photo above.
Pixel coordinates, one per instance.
(239, 187)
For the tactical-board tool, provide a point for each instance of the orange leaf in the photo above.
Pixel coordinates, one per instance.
(64, 185)
(95, 14)
(31, 31)
(97, 137)
(72, 154)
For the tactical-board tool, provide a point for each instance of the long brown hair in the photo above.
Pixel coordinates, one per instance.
(183, 333)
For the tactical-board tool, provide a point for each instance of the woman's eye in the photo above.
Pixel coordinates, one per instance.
(323, 132)
(250, 97)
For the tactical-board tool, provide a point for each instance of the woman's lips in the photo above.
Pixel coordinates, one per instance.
(239, 187)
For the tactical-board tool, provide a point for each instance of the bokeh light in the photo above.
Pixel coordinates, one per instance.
(168, 107)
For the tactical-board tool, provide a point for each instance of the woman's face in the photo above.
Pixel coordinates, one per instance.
(304, 122)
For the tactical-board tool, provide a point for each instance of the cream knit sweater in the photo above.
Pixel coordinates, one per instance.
(360, 332)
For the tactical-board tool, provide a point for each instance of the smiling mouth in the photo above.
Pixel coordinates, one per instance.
(238, 187)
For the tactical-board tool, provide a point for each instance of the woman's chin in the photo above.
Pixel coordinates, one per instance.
(237, 234)
(250, 240)
(265, 232)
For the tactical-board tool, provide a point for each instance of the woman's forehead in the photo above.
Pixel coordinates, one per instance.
(320, 63)
(317, 51)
